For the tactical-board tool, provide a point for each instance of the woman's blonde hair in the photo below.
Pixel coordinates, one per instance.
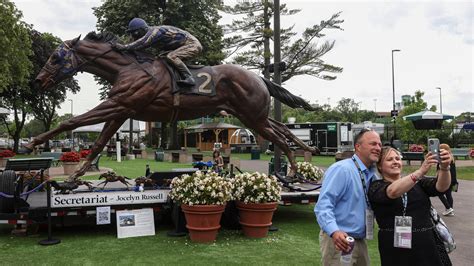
(385, 151)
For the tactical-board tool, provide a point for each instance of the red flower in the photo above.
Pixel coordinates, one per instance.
(70, 157)
(7, 153)
(85, 153)
(416, 148)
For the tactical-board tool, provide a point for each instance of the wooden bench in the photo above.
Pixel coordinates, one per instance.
(461, 152)
(226, 161)
(54, 155)
(137, 152)
(178, 157)
(95, 164)
(343, 155)
(196, 157)
(413, 156)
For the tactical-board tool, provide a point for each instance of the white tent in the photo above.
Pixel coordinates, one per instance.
(99, 127)
(4, 111)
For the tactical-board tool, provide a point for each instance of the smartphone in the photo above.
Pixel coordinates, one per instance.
(433, 147)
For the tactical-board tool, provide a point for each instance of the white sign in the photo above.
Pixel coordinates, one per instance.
(344, 134)
(131, 223)
(109, 198)
(103, 215)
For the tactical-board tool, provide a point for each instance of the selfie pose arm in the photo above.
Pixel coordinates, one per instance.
(444, 176)
(404, 184)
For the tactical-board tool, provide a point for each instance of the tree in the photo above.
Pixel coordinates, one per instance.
(15, 46)
(246, 37)
(45, 102)
(348, 109)
(15, 67)
(408, 133)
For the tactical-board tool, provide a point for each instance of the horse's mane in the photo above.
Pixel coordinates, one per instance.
(101, 37)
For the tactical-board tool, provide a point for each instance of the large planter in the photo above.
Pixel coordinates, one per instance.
(70, 167)
(203, 221)
(3, 161)
(256, 218)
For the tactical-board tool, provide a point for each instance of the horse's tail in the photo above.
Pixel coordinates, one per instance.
(286, 97)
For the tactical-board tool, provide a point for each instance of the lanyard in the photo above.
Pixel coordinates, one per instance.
(362, 180)
(405, 202)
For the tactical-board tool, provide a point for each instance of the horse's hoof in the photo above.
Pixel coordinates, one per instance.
(29, 146)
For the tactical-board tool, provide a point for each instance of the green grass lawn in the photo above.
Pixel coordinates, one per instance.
(295, 243)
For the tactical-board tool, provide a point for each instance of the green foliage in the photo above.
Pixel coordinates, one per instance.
(406, 131)
(15, 46)
(347, 110)
(245, 39)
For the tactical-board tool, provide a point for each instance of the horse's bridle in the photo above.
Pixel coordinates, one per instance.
(75, 66)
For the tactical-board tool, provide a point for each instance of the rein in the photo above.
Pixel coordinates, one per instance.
(76, 68)
(86, 61)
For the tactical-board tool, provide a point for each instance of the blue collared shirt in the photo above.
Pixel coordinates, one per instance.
(342, 203)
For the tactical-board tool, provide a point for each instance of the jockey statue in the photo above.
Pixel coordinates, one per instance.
(181, 44)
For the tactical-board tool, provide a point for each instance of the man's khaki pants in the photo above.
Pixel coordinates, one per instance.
(330, 256)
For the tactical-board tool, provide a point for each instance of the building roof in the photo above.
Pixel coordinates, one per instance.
(208, 126)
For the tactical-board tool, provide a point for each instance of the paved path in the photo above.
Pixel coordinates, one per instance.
(58, 172)
(461, 225)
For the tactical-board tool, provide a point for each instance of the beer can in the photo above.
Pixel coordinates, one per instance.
(351, 241)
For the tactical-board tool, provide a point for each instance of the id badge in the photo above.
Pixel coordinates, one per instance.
(369, 224)
(402, 232)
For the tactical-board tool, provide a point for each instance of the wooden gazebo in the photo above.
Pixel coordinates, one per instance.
(209, 133)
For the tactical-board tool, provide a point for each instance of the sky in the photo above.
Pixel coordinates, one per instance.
(435, 39)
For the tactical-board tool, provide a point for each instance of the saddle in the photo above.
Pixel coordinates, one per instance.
(203, 75)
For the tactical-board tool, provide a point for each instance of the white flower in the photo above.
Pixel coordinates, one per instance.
(201, 188)
(255, 188)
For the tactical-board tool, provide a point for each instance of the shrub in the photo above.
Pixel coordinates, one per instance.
(310, 172)
(6, 153)
(201, 188)
(256, 188)
(70, 157)
(416, 148)
(85, 153)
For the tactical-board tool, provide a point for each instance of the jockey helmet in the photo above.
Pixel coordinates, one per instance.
(135, 24)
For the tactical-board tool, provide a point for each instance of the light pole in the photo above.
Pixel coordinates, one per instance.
(359, 106)
(72, 115)
(375, 105)
(393, 90)
(440, 101)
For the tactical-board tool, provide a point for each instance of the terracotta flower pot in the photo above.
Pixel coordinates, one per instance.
(70, 167)
(203, 221)
(3, 161)
(256, 218)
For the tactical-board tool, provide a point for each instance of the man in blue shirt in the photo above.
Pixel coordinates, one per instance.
(342, 204)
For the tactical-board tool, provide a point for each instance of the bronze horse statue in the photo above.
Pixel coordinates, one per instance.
(110, 176)
(143, 91)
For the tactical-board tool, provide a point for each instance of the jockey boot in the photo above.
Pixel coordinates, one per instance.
(187, 77)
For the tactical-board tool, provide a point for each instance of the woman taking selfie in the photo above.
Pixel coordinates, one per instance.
(402, 209)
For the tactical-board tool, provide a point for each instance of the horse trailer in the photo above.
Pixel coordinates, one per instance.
(328, 137)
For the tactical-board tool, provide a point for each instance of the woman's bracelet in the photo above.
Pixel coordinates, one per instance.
(414, 178)
(445, 169)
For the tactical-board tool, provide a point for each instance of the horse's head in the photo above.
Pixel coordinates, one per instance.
(62, 64)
